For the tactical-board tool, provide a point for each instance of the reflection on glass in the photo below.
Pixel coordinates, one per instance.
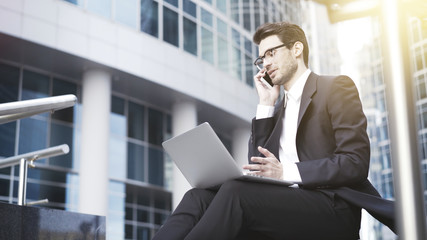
(100, 7)
(126, 12)
(116, 210)
(149, 17)
(170, 26)
(190, 36)
(136, 166)
(207, 45)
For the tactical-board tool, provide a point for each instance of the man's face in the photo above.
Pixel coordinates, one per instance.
(281, 64)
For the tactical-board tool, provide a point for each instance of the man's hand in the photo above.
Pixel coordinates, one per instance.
(267, 167)
(267, 96)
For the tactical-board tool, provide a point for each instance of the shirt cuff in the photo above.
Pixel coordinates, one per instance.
(264, 111)
(291, 172)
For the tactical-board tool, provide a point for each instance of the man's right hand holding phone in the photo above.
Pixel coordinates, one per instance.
(267, 94)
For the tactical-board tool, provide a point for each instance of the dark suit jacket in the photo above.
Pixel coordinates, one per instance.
(332, 143)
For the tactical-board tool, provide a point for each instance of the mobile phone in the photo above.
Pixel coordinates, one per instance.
(267, 80)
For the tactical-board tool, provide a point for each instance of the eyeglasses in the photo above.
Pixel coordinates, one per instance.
(259, 62)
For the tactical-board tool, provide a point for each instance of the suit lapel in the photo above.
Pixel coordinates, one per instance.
(310, 89)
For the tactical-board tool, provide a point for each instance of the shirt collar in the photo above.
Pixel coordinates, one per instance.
(296, 90)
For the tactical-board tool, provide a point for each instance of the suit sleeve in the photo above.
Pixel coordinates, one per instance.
(349, 161)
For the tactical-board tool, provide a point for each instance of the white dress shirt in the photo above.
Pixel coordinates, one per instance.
(288, 152)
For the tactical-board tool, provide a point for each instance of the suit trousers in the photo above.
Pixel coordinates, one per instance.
(252, 210)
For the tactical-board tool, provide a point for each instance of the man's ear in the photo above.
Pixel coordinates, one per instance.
(298, 48)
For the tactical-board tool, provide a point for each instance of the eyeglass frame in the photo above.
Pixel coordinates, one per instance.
(272, 54)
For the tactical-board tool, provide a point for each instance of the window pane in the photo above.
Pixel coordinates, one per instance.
(222, 27)
(61, 134)
(190, 36)
(246, 15)
(155, 167)
(76, 2)
(207, 45)
(170, 26)
(34, 85)
(207, 17)
(155, 127)
(222, 54)
(249, 70)
(117, 158)
(61, 88)
(222, 6)
(149, 17)
(100, 7)
(234, 5)
(117, 117)
(32, 135)
(126, 12)
(136, 121)
(236, 63)
(9, 82)
(190, 8)
(236, 37)
(172, 2)
(136, 162)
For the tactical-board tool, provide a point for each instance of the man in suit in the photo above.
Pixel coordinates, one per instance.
(315, 136)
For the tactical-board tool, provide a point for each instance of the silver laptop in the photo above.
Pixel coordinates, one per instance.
(204, 160)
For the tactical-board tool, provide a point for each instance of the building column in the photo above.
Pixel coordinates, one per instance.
(240, 138)
(93, 189)
(184, 118)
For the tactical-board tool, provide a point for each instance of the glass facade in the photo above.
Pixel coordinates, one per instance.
(209, 30)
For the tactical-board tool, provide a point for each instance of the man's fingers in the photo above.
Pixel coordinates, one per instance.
(266, 152)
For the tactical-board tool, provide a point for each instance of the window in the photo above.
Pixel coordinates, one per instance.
(100, 7)
(9, 84)
(190, 7)
(126, 12)
(170, 26)
(207, 17)
(222, 54)
(60, 134)
(136, 121)
(190, 36)
(155, 167)
(149, 17)
(207, 45)
(60, 87)
(235, 10)
(136, 162)
(155, 127)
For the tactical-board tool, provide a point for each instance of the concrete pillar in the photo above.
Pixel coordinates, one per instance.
(240, 138)
(184, 118)
(93, 189)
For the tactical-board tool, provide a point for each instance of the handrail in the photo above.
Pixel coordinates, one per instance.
(16, 110)
(32, 156)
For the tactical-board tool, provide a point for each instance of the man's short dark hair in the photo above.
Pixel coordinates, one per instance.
(287, 33)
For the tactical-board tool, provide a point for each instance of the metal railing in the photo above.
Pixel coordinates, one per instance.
(16, 110)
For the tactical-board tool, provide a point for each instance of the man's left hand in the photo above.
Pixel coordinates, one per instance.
(268, 166)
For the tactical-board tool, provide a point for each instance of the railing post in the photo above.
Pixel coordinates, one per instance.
(22, 190)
